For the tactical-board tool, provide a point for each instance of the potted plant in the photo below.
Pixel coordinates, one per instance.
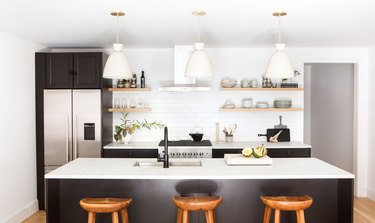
(124, 131)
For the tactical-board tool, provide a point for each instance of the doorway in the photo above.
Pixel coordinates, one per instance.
(329, 112)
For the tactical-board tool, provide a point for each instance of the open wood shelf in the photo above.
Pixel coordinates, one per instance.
(260, 89)
(129, 109)
(239, 109)
(129, 89)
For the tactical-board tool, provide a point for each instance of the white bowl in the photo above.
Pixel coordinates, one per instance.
(228, 84)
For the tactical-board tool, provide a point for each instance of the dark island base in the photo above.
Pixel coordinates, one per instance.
(152, 199)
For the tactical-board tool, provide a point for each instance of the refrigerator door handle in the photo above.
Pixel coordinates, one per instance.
(75, 138)
(67, 138)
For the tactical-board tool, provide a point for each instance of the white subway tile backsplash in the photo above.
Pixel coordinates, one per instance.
(181, 111)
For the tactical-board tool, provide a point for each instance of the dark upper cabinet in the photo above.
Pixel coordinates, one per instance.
(87, 70)
(73, 70)
(59, 70)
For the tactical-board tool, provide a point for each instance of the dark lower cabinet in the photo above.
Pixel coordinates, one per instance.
(130, 153)
(272, 152)
(73, 70)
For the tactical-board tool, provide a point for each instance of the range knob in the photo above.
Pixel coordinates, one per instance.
(190, 154)
(184, 154)
(201, 154)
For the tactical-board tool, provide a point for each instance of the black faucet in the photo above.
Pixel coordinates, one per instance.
(165, 158)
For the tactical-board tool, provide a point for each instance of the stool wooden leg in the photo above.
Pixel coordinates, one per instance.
(179, 215)
(92, 216)
(124, 215)
(185, 216)
(277, 216)
(267, 214)
(210, 216)
(300, 216)
(115, 217)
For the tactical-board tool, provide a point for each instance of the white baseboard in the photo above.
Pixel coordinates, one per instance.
(371, 194)
(24, 213)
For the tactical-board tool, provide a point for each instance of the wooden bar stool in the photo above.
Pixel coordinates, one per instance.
(107, 205)
(186, 204)
(286, 203)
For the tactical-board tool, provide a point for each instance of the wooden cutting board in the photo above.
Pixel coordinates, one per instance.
(240, 160)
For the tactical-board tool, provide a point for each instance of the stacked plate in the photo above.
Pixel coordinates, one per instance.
(282, 103)
(262, 104)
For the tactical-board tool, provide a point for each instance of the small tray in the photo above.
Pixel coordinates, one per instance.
(240, 160)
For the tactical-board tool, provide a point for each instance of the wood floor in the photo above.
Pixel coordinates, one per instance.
(364, 212)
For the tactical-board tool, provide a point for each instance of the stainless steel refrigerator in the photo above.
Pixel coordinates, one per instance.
(72, 126)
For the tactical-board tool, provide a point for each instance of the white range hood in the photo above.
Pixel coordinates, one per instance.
(180, 83)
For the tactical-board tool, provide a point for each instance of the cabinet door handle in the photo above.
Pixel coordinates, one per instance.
(67, 138)
(75, 138)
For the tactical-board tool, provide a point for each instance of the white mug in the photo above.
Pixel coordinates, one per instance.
(254, 83)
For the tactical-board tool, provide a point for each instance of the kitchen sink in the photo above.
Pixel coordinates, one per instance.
(171, 164)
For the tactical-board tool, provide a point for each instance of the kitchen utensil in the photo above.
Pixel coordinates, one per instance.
(280, 126)
(262, 104)
(124, 103)
(229, 139)
(196, 135)
(254, 83)
(228, 83)
(283, 137)
(273, 139)
(247, 102)
(218, 133)
(232, 128)
(117, 103)
(282, 103)
(245, 83)
(229, 104)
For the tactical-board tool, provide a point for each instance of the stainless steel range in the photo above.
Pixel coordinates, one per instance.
(187, 149)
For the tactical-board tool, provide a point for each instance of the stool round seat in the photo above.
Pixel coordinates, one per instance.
(197, 203)
(287, 203)
(104, 205)
(107, 205)
(206, 204)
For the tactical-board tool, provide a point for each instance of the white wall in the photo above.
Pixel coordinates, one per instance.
(331, 113)
(17, 131)
(184, 110)
(371, 152)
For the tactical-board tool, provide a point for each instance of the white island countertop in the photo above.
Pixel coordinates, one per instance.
(119, 168)
(234, 145)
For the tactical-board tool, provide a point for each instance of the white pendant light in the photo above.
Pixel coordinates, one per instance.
(198, 65)
(117, 65)
(279, 65)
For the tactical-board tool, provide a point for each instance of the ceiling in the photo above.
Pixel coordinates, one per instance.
(164, 23)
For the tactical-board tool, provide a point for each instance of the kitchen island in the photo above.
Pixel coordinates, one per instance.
(152, 188)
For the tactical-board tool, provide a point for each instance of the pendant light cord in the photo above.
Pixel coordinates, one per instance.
(279, 28)
(118, 28)
(199, 29)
